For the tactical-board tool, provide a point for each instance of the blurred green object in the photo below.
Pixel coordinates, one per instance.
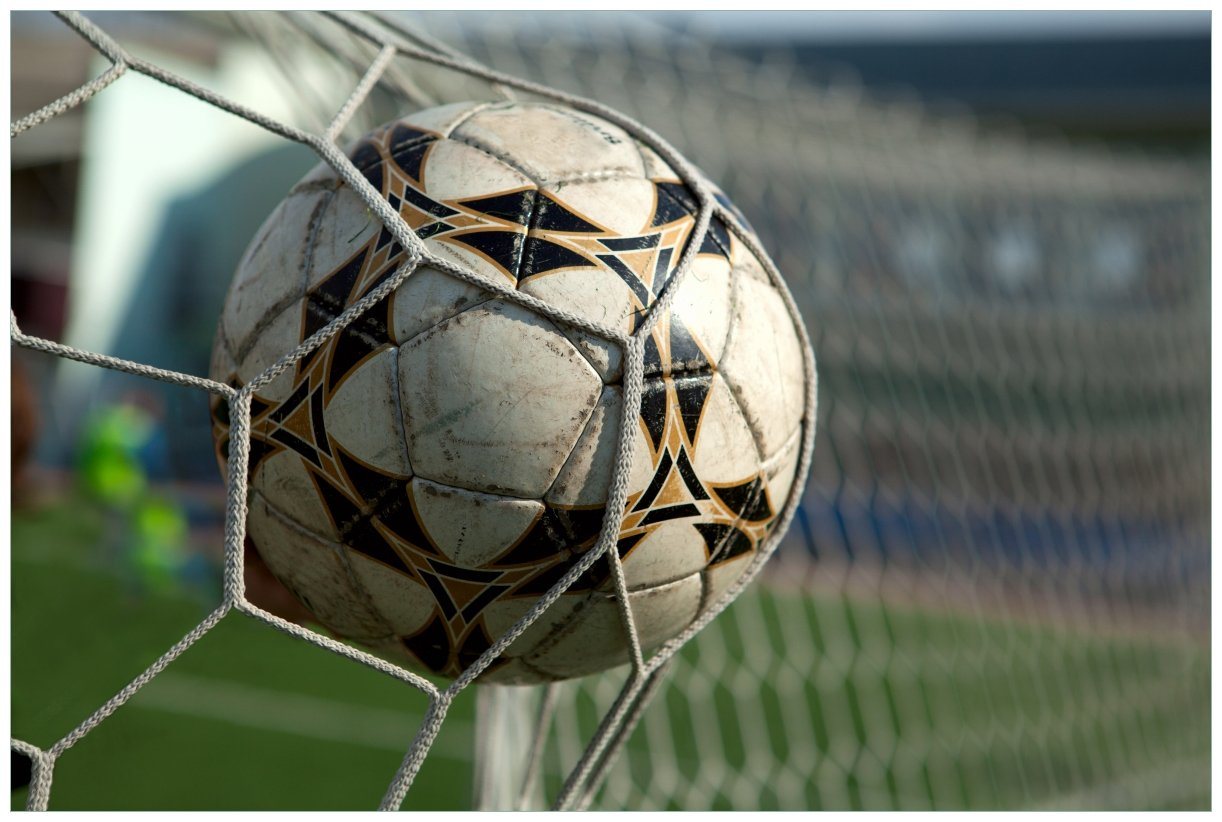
(108, 461)
(158, 551)
(150, 529)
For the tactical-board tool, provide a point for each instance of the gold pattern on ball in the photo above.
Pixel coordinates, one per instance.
(420, 480)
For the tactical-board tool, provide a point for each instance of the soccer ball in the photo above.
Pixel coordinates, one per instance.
(420, 480)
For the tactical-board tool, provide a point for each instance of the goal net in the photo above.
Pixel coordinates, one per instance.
(995, 589)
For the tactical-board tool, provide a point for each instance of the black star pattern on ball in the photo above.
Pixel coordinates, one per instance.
(525, 234)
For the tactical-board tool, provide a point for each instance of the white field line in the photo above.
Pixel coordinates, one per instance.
(312, 717)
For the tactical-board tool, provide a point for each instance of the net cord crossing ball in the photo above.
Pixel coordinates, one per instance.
(421, 479)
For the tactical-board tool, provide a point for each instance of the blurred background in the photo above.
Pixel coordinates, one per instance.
(996, 592)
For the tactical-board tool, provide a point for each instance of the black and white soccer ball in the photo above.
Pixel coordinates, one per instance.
(419, 481)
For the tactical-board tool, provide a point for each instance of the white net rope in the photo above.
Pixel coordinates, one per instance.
(391, 41)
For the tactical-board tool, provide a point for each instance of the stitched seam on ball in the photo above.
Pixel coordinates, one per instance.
(371, 603)
(755, 436)
(731, 326)
(353, 329)
(546, 676)
(793, 435)
(289, 518)
(717, 240)
(581, 429)
(559, 629)
(569, 626)
(706, 590)
(736, 392)
(410, 142)
(647, 587)
(338, 548)
(535, 177)
(266, 321)
(579, 117)
(598, 175)
(709, 234)
(315, 185)
(240, 351)
(539, 178)
(315, 225)
(640, 152)
(280, 306)
(466, 117)
(593, 406)
(500, 492)
(522, 263)
(444, 320)
(733, 391)
(376, 506)
(340, 545)
(532, 221)
(573, 450)
(394, 376)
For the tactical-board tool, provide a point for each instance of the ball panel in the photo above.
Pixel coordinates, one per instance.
(403, 603)
(470, 528)
(622, 206)
(454, 172)
(502, 614)
(595, 638)
(461, 201)
(271, 273)
(722, 446)
(428, 297)
(671, 551)
(704, 488)
(597, 296)
(781, 470)
(552, 144)
(586, 476)
(721, 575)
(494, 400)
(311, 568)
(746, 264)
(655, 167)
(283, 480)
(763, 364)
(499, 266)
(344, 230)
(280, 335)
(363, 416)
(702, 304)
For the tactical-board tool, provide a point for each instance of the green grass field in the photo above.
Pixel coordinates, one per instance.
(954, 712)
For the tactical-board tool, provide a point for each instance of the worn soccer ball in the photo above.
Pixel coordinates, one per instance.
(420, 480)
